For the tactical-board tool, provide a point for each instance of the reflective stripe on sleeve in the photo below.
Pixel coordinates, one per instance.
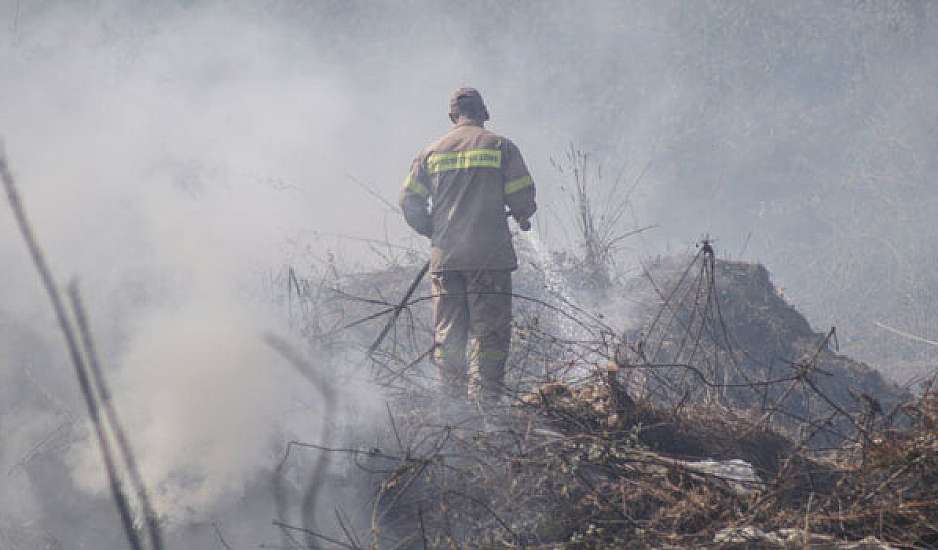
(516, 185)
(458, 160)
(412, 184)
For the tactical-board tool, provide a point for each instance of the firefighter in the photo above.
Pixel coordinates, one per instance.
(460, 192)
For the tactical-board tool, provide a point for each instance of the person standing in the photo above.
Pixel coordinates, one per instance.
(460, 191)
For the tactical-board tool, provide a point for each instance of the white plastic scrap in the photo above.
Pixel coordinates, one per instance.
(750, 536)
(738, 474)
(746, 535)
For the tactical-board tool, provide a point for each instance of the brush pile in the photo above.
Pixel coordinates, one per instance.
(719, 419)
(571, 467)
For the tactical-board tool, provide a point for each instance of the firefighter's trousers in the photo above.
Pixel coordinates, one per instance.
(472, 309)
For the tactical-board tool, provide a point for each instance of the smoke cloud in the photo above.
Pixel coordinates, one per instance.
(172, 155)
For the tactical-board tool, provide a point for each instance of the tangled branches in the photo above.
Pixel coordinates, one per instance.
(720, 420)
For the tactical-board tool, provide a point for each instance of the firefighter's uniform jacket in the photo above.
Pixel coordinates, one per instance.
(456, 194)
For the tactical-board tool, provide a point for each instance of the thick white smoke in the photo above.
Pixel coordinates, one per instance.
(167, 170)
(197, 391)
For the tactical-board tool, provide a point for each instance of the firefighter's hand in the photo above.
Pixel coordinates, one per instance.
(524, 224)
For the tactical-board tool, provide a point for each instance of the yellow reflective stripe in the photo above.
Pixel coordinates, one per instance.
(415, 186)
(458, 160)
(514, 186)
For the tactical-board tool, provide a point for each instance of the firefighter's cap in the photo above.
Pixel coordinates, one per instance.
(468, 101)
